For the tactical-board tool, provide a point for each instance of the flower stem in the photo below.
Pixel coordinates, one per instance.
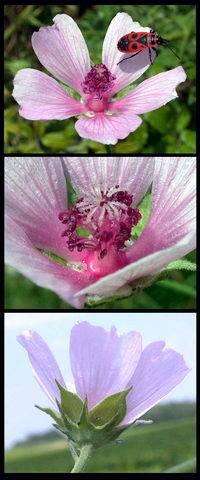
(83, 458)
(109, 148)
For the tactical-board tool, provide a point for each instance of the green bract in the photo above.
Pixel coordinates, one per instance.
(82, 426)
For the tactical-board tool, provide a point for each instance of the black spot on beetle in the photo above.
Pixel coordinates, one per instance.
(134, 46)
(143, 40)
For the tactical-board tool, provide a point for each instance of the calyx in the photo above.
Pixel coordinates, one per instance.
(96, 427)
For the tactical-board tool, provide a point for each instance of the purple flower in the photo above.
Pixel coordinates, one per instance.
(90, 248)
(62, 50)
(104, 363)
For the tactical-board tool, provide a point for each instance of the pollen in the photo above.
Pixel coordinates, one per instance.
(98, 81)
(104, 220)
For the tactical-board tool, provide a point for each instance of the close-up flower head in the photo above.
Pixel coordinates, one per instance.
(93, 228)
(102, 116)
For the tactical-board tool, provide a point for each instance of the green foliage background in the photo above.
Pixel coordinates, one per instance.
(170, 129)
(169, 442)
(174, 293)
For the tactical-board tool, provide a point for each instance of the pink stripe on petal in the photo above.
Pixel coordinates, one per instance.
(24, 257)
(62, 50)
(129, 70)
(148, 265)
(101, 361)
(107, 129)
(157, 373)
(93, 174)
(41, 98)
(45, 367)
(152, 93)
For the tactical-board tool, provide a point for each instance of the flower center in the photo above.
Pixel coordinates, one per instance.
(101, 224)
(98, 81)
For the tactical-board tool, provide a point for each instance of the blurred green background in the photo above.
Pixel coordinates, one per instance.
(170, 129)
(167, 444)
(178, 291)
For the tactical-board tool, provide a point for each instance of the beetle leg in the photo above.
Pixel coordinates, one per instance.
(150, 57)
(127, 58)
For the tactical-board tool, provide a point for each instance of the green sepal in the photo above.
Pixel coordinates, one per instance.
(112, 410)
(181, 264)
(94, 427)
(53, 414)
(71, 404)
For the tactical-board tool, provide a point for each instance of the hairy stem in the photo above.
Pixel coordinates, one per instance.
(83, 458)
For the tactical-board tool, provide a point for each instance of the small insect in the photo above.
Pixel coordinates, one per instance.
(138, 41)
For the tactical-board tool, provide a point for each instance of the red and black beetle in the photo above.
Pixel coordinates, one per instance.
(136, 42)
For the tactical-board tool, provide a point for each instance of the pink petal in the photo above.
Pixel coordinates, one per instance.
(152, 93)
(35, 193)
(129, 70)
(41, 98)
(102, 362)
(157, 373)
(44, 365)
(93, 174)
(173, 214)
(62, 50)
(149, 265)
(22, 255)
(107, 129)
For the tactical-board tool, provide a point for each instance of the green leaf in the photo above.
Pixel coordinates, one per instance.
(53, 414)
(112, 406)
(184, 467)
(178, 287)
(71, 404)
(55, 140)
(180, 265)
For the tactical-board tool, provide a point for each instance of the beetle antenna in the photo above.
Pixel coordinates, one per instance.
(167, 44)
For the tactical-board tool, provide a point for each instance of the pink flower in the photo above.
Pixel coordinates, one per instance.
(63, 52)
(90, 248)
(152, 372)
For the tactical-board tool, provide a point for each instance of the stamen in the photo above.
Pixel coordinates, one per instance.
(108, 220)
(98, 80)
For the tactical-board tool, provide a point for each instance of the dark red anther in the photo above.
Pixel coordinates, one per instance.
(103, 253)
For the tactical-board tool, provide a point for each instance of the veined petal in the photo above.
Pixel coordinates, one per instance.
(22, 255)
(173, 214)
(152, 93)
(62, 50)
(129, 70)
(35, 193)
(101, 361)
(158, 371)
(100, 173)
(41, 98)
(108, 129)
(45, 367)
(148, 265)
